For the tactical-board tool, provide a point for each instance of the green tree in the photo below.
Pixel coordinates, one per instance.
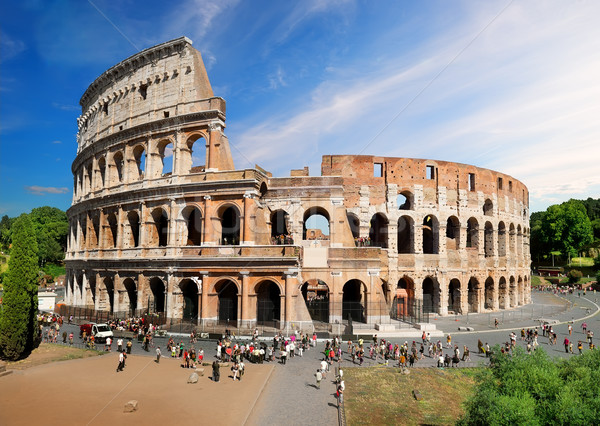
(51, 227)
(566, 227)
(5, 232)
(19, 332)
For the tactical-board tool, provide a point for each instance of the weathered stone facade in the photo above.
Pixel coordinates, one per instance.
(153, 229)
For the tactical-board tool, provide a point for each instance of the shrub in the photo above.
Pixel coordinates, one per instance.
(574, 276)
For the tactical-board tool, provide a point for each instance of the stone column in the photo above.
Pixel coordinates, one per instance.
(213, 143)
(208, 228)
(289, 290)
(246, 321)
(120, 230)
(247, 237)
(442, 280)
(203, 315)
(143, 238)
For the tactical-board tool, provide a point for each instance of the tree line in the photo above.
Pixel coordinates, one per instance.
(570, 228)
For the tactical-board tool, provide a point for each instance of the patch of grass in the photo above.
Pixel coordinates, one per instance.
(383, 396)
(581, 261)
(535, 281)
(47, 353)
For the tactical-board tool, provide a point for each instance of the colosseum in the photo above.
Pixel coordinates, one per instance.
(162, 222)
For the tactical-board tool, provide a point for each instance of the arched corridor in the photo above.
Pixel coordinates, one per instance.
(353, 301)
(268, 302)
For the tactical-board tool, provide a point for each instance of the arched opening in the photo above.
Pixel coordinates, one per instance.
(107, 295)
(429, 296)
(488, 208)
(133, 220)
(404, 201)
(378, 233)
(112, 230)
(519, 241)
(88, 181)
(165, 151)
(512, 239)
(230, 226)
(501, 239)
(488, 240)
(83, 227)
(430, 235)
(95, 234)
(156, 302)
(139, 155)
(473, 295)
(520, 294)
(354, 223)
(193, 223)
(102, 171)
(454, 299)
(452, 233)
(268, 302)
(472, 233)
(160, 231)
(118, 164)
(192, 159)
(91, 289)
(489, 293)
(189, 292)
(512, 291)
(316, 224)
(406, 241)
(353, 301)
(131, 295)
(503, 300)
(279, 230)
(228, 301)
(316, 297)
(403, 300)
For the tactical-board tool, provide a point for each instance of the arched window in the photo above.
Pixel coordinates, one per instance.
(112, 230)
(230, 226)
(488, 241)
(279, 219)
(501, 239)
(165, 151)
(102, 172)
(430, 235)
(316, 224)
(192, 159)
(452, 233)
(133, 222)
(488, 207)
(472, 233)
(118, 164)
(512, 238)
(378, 231)
(193, 222)
(489, 293)
(139, 155)
(404, 201)
(406, 232)
(160, 231)
(95, 219)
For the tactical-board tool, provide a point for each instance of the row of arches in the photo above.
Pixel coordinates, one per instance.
(136, 162)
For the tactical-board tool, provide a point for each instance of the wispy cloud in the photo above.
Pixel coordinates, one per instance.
(56, 142)
(9, 46)
(276, 79)
(65, 107)
(43, 190)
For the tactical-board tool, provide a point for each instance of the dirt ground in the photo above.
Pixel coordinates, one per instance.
(89, 391)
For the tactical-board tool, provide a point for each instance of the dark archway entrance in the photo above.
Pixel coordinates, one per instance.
(268, 302)
(189, 291)
(230, 227)
(228, 301)
(503, 302)
(378, 232)
(353, 301)
(109, 287)
(454, 296)
(428, 296)
(194, 227)
(473, 295)
(316, 296)
(489, 293)
(279, 220)
(129, 285)
(157, 302)
(405, 235)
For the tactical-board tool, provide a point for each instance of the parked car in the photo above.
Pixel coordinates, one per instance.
(99, 331)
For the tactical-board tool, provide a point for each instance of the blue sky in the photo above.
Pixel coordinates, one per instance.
(507, 85)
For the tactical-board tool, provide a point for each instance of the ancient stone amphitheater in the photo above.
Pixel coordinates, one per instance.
(162, 222)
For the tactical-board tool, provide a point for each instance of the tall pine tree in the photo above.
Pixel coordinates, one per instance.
(19, 332)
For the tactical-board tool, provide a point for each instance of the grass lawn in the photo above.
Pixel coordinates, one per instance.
(535, 281)
(47, 352)
(383, 396)
(581, 261)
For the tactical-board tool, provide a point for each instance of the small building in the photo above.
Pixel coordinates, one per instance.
(46, 301)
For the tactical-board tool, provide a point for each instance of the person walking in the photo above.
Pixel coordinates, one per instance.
(216, 371)
(158, 354)
(121, 364)
(566, 343)
(319, 377)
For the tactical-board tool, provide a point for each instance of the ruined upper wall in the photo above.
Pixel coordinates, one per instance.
(378, 172)
(163, 81)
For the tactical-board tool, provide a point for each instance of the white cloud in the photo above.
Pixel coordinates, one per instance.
(43, 190)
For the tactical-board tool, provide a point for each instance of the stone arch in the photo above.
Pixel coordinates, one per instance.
(519, 249)
(279, 223)
(431, 232)
(488, 207)
(159, 232)
(488, 239)
(354, 295)
(191, 156)
(227, 294)
(131, 295)
(503, 295)
(472, 233)
(139, 157)
(404, 200)
(88, 178)
(452, 233)
(490, 293)
(189, 293)
(406, 234)
(316, 297)
(133, 228)
(157, 295)
(102, 172)
(474, 295)
(112, 230)
(512, 291)
(431, 295)
(94, 229)
(501, 239)
(520, 291)
(193, 223)
(106, 300)
(117, 161)
(512, 239)
(268, 301)
(83, 227)
(354, 223)
(229, 219)
(165, 151)
(378, 230)
(454, 296)
(316, 224)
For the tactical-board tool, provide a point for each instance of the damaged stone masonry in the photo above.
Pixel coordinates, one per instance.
(161, 221)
